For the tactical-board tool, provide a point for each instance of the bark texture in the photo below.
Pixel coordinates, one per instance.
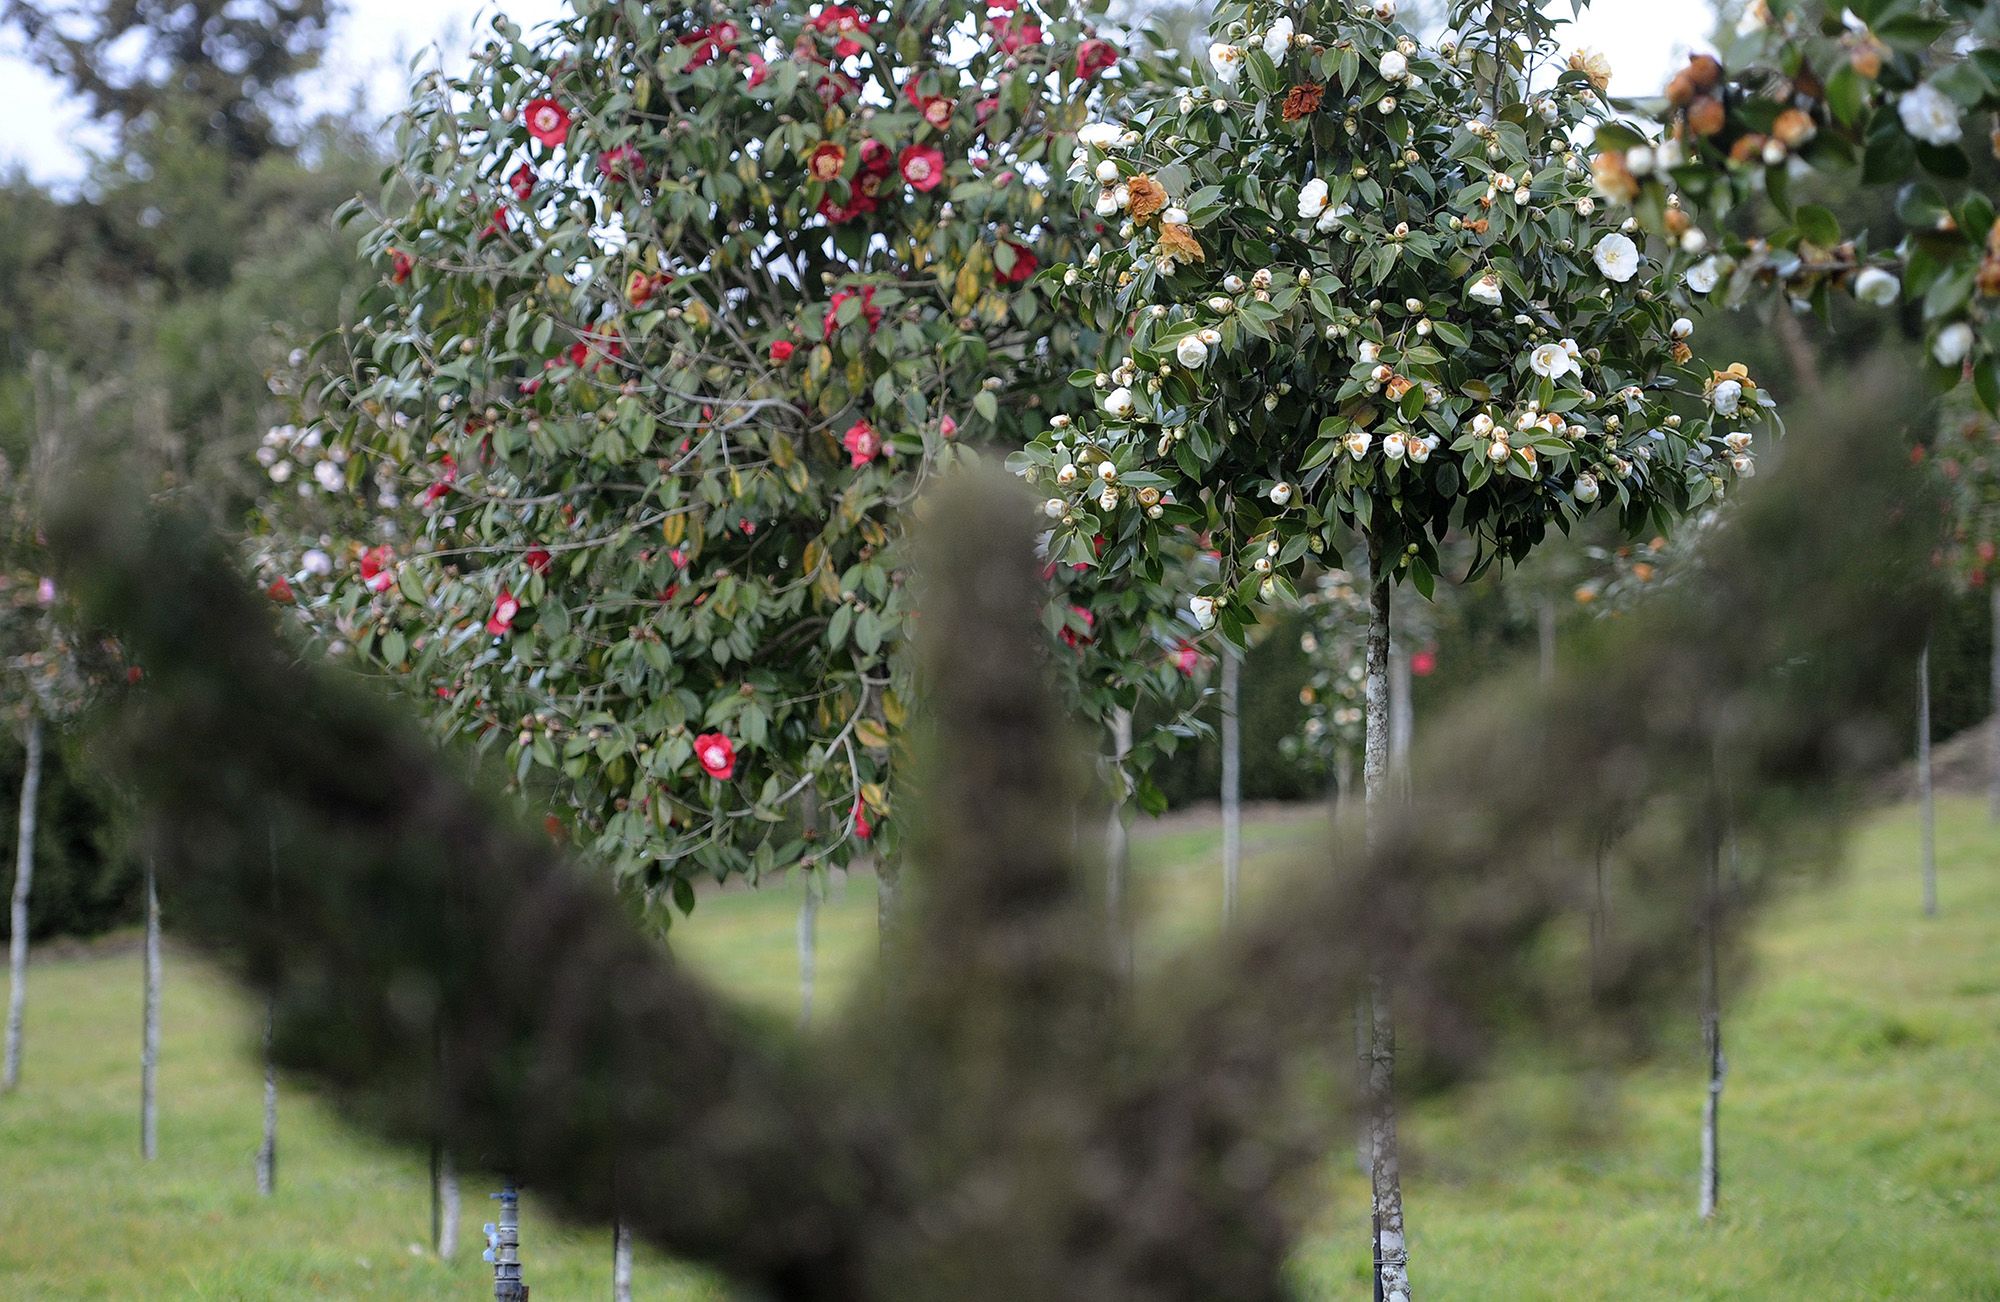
(1118, 851)
(1390, 1248)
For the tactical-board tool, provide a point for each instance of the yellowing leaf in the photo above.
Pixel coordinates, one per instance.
(871, 734)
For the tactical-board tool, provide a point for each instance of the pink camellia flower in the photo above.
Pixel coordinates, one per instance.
(537, 559)
(547, 121)
(522, 182)
(620, 164)
(1093, 57)
(717, 754)
(45, 591)
(781, 351)
(505, 607)
(868, 309)
(947, 427)
(1187, 659)
(1424, 663)
(862, 443)
(922, 166)
(378, 569)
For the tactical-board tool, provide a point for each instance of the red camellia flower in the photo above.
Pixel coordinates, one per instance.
(1025, 263)
(400, 265)
(863, 829)
(1070, 636)
(717, 754)
(825, 161)
(505, 607)
(934, 109)
(620, 164)
(922, 166)
(1093, 57)
(502, 222)
(862, 443)
(522, 182)
(839, 214)
(377, 569)
(1424, 663)
(760, 71)
(444, 481)
(547, 121)
(868, 309)
(781, 351)
(844, 22)
(280, 590)
(947, 427)
(1187, 659)
(537, 559)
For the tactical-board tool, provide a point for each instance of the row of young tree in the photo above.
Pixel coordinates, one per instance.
(675, 319)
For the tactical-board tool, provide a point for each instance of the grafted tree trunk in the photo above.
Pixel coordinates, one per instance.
(149, 1048)
(1711, 1035)
(267, 1151)
(1118, 852)
(1388, 1248)
(24, 885)
(1926, 798)
(621, 1263)
(1232, 780)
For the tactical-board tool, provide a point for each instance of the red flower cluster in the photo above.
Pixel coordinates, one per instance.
(377, 569)
(717, 754)
(505, 607)
(444, 481)
(547, 121)
(1093, 57)
(711, 43)
(868, 309)
(844, 25)
(1070, 636)
(863, 444)
(621, 163)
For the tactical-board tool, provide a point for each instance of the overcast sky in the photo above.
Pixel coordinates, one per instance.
(1645, 39)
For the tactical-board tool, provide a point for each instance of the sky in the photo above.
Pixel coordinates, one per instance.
(375, 39)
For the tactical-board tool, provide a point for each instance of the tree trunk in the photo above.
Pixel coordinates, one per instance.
(1232, 780)
(1993, 719)
(24, 885)
(1545, 631)
(149, 1047)
(1389, 1249)
(267, 1152)
(504, 1236)
(1118, 851)
(1711, 1035)
(808, 948)
(444, 1203)
(621, 1263)
(1402, 715)
(1926, 801)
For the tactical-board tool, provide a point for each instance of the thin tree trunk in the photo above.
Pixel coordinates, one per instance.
(1388, 1248)
(24, 885)
(505, 1253)
(444, 1203)
(1926, 798)
(1232, 780)
(621, 1263)
(808, 948)
(1118, 851)
(1545, 631)
(149, 1048)
(267, 1152)
(1711, 1035)
(1993, 719)
(1402, 715)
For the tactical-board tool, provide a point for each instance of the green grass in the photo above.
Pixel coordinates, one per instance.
(1861, 1123)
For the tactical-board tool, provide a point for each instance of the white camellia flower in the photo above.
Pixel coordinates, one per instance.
(1368, 351)
(1727, 397)
(1929, 114)
(1737, 440)
(1617, 257)
(1384, 10)
(1394, 446)
(1054, 508)
(1312, 199)
(1227, 60)
(1358, 442)
(1952, 344)
(1191, 352)
(1278, 40)
(1703, 276)
(1330, 219)
(1393, 66)
(1118, 403)
(1281, 494)
(1203, 610)
(1876, 287)
(329, 476)
(1210, 336)
(1100, 135)
(1419, 450)
(317, 562)
(1486, 290)
(1175, 217)
(1586, 488)
(1233, 283)
(1681, 328)
(1551, 362)
(1107, 203)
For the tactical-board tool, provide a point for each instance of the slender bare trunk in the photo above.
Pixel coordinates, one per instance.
(1926, 798)
(445, 1203)
(1711, 1035)
(621, 1263)
(504, 1236)
(149, 1048)
(1389, 1248)
(1402, 713)
(1118, 850)
(1232, 780)
(24, 885)
(1993, 720)
(267, 1152)
(808, 939)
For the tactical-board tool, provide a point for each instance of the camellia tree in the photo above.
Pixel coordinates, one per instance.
(677, 316)
(1363, 287)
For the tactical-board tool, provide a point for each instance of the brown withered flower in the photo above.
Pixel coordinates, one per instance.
(1614, 180)
(1302, 100)
(1149, 197)
(1705, 116)
(1179, 243)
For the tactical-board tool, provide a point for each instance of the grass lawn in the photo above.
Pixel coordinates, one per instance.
(1861, 1139)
